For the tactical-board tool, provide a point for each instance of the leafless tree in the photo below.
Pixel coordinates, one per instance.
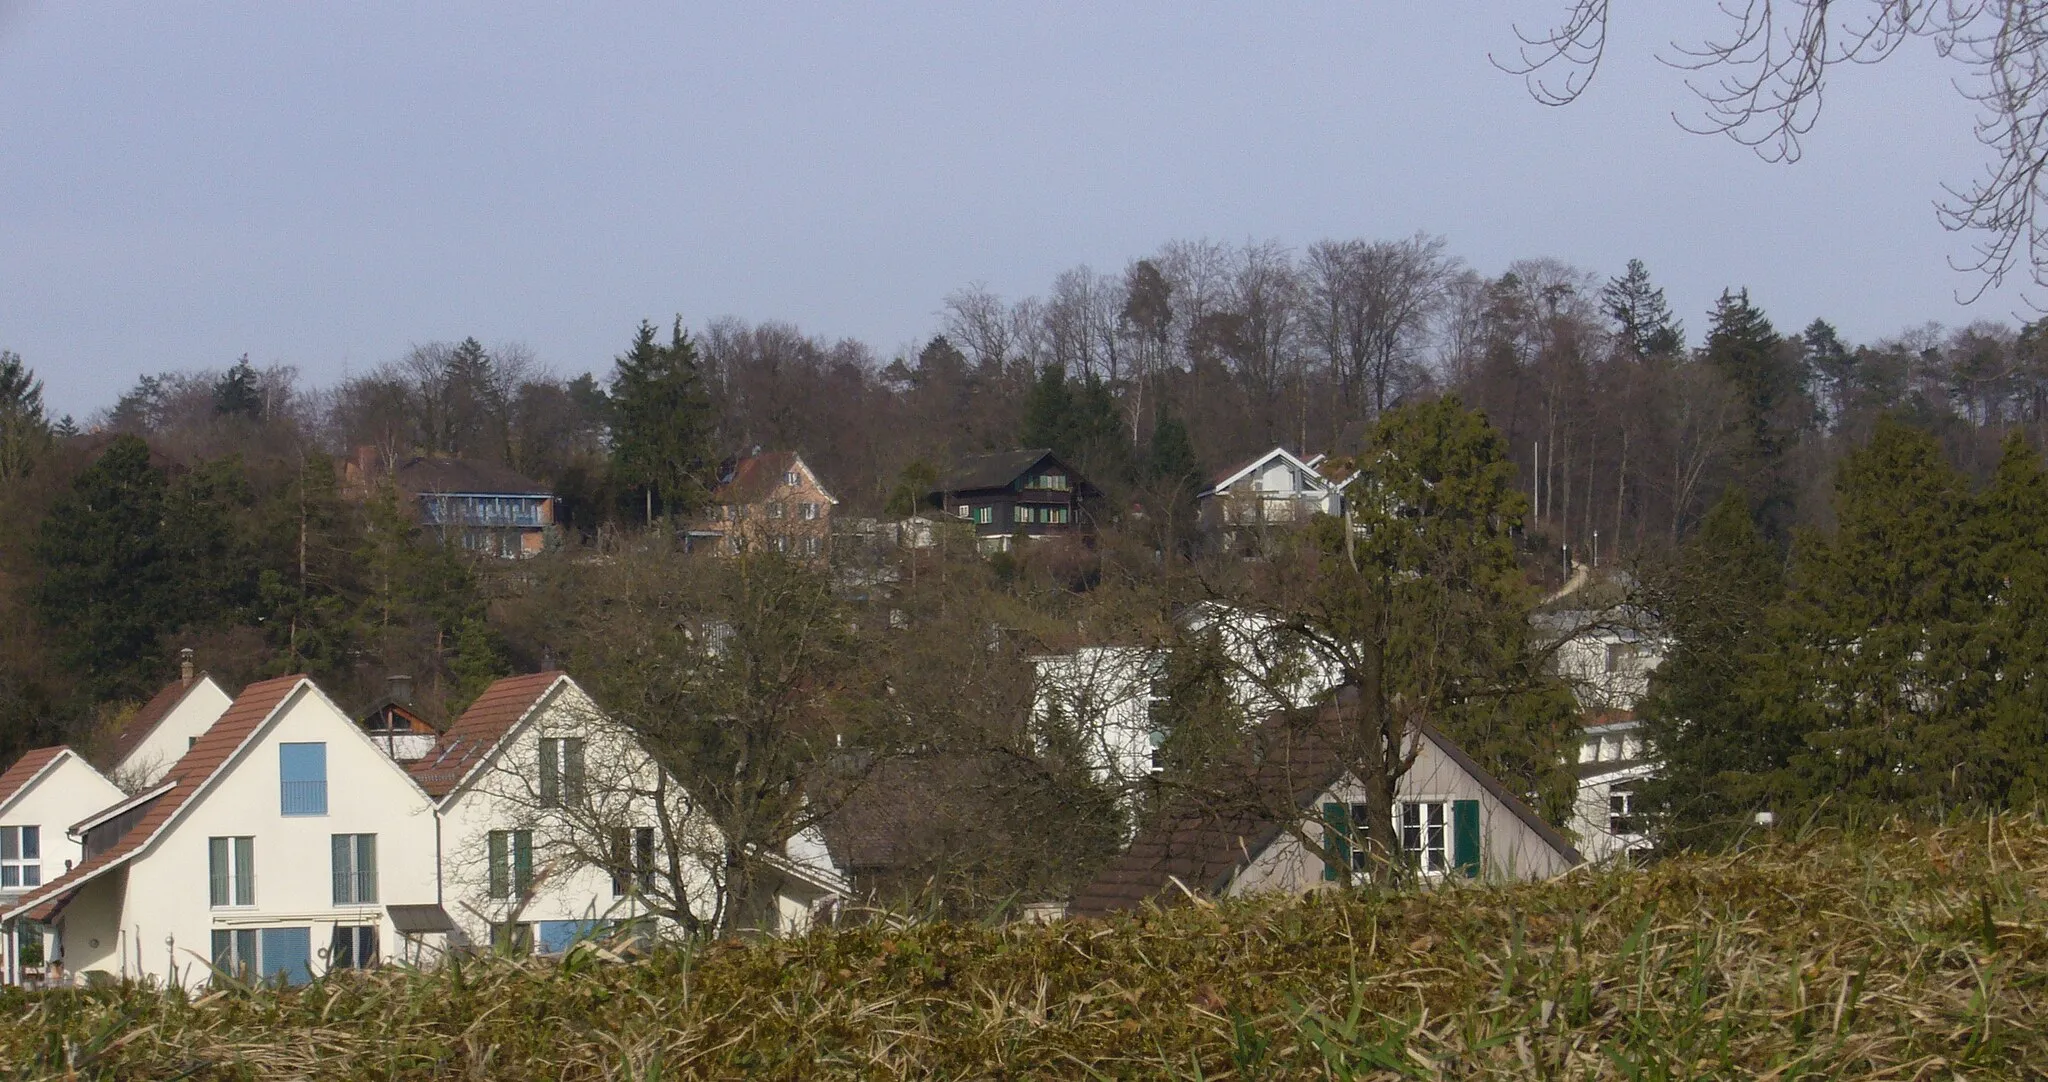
(1764, 80)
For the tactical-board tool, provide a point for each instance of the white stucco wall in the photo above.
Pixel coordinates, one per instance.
(503, 794)
(68, 791)
(203, 704)
(166, 916)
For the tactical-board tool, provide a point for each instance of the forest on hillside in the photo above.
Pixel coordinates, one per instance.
(205, 509)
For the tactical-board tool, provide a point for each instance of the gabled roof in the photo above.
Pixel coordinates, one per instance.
(1002, 468)
(145, 720)
(32, 765)
(755, 476)
(257, 703)
(1291, 759)
(436, 475)
(1237, 473)
(481, 728)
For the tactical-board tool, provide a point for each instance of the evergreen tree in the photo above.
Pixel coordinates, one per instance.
(206, 539)
(1878, 658)
(106, 591)
(1744, 348)
(1172, 481)
(478, 660)
(1830, 366)
(914, 487)
(2011, 542)
(661, 423)
(1049, 413)
(1642, 321)
(237, 394)
(1197, 719)
(1698, 713)
(24, 431)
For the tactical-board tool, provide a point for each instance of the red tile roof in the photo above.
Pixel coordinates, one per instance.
(469, 741)
(186, 777)
(146, 720)
(756, 477)
(25, 770)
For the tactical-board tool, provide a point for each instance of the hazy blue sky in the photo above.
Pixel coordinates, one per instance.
(323, 185)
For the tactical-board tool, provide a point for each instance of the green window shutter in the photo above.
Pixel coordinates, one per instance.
(572, 770)
(217, 870)
(1465, 837)
(550, 773)
(500, 884)
(344, 879)
(245, 871)
(522, 861)
(1336, 841)
(366, 868)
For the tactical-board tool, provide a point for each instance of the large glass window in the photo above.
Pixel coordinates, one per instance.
(302, 779)
(353, 947)
(632, 860)
(21, 856)
(231, 871)
(284, 955)
(1425, 834)
(355, 869)
(561, 771)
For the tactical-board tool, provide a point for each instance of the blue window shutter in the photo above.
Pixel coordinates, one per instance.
(302, 779)
(1465, 837)
(1336, 841)
(288, 955)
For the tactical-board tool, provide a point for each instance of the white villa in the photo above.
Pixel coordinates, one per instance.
(41, 795)
(164, 729)
(286, 842)
(1277, 488)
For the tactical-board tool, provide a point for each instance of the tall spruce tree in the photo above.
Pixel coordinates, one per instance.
(237, 394)
(1748, 352)
(106, 592)
(1878, 655)
(24, 430)
(1698, 713)
(661, 423)
(1643, 326)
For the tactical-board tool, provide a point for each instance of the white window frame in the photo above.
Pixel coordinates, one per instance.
(1431, 856)
(26, 868)
(1617, 818)
(359, 876)
(808, 510)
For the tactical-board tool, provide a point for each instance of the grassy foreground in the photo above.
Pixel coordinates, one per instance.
(1901, 953)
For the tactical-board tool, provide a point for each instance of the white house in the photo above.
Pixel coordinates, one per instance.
(43, 793)
(1276, 488)
(1613, 759)
(160, 733)
(1287, 819)
(1107, 694)
(553, 827)
(279, 845)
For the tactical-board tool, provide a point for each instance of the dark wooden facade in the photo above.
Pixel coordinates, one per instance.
(1029, 492)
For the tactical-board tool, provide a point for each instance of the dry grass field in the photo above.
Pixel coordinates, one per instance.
(1895, 953)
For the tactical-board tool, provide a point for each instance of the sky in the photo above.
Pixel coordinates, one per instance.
(327, 185)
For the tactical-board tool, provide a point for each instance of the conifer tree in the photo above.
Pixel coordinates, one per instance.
(1642, 321)
(1698, 712)
(105, 590)
(1748, 352)
(24, 431)
(661, 423)
(237, 395)
(2011, 539)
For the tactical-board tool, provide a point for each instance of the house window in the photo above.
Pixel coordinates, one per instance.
(561, 771)
(1621, 811)
(21, 856)
(557, 936)
(813, 545)
(632, 860)
(231, 871)
(1056, 482)
(354, 947)
(512, 937)
(774, 508)
(789, 478)
(1621, 656)
(302, 779)
(984, 515)
(781, 543)
(511, 863)
(807, 511)
(284, 955)
(355, 869)
(1425, 835)
(964, 511)
(1056, 516)
(1020, 513)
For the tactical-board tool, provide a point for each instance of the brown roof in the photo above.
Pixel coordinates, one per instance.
(469, 741)
(756, 476)
(186, 777)
(433, 473)
(998, 470)
(1204, 839)
(145, 720)
(25, 770)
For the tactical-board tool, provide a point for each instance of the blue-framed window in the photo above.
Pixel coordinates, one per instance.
(302, 779)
